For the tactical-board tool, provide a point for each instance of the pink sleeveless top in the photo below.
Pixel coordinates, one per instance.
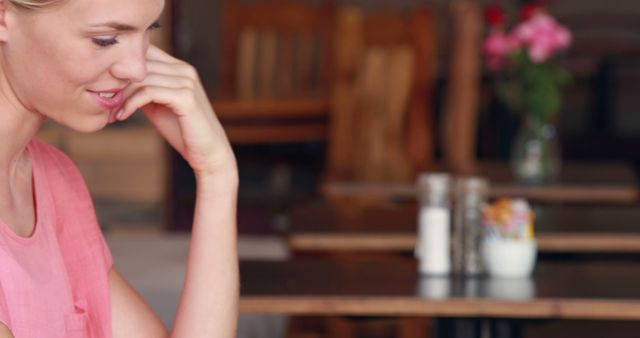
(54, 283)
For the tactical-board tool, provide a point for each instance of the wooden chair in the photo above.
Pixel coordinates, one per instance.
(274, 71)
(381, 127)
(381, 124)
(458, 127)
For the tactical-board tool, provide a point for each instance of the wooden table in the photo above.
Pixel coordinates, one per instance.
(461, 307)
(569, 229)
(579, 183)
(576, 290)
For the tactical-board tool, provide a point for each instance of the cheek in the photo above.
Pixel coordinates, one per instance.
(65, 77)
(55, 68)
(77, 63)
(80, 71)
(55, 85)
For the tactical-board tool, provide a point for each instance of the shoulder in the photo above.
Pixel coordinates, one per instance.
(70, 200)
(62, 176)
(50, 156)
(54, 163)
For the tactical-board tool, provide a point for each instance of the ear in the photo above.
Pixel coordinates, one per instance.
(3, 22)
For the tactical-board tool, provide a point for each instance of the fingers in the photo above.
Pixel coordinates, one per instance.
(157, 54)
(174, 101)
(168, 80)
(112, 117)
(157, 69)
(160, 74)
(162, 67)
(173, 98)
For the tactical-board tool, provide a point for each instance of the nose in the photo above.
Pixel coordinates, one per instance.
(131, 64)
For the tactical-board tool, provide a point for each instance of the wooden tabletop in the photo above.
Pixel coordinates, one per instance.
(574, 229)
(613, 182)
(577, 290)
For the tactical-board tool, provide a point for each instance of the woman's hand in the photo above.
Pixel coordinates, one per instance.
(173, 99)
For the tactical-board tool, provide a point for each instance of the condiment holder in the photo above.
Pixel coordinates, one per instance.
(509, 248)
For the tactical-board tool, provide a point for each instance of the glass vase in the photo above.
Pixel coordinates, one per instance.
(535, 155)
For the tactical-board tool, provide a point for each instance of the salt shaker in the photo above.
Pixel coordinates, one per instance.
(469, 199)
(434, 229)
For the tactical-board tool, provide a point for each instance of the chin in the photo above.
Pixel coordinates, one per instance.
(89, 129)
(88, 124)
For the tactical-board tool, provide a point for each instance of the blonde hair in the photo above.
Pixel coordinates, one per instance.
(33, 4)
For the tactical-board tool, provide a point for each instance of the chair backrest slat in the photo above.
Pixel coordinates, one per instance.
(275, 49)
(383, 70)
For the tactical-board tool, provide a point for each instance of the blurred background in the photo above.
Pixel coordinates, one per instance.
(597, 120)
(282, 82)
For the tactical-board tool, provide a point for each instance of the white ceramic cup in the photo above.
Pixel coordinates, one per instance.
(509, 258)
(510, 288)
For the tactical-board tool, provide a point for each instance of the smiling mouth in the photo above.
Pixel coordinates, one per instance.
(110, 99)
(107, 95)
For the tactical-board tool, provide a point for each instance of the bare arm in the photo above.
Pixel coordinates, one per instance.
(174, 101)
(210, 295)
(131, 316)
(209, 298)
(208, 301)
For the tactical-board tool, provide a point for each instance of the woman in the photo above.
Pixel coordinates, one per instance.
(85, 64)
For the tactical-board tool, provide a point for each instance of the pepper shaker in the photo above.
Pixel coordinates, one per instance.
(470, 198)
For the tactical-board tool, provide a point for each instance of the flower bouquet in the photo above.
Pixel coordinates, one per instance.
(509, 219)
(522, 57)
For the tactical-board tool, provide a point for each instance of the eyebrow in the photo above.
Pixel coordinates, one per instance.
(122, 26)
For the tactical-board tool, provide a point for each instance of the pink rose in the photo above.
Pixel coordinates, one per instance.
(563, 37)
(496, 46)
(536, 25)
(541, 48)
(542, 36)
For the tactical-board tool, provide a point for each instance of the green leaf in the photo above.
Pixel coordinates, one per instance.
(532, 88)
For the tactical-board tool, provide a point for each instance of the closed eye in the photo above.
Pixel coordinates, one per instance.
(109, 41)
(105, 42)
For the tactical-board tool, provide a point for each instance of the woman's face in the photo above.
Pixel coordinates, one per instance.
(71, 62)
